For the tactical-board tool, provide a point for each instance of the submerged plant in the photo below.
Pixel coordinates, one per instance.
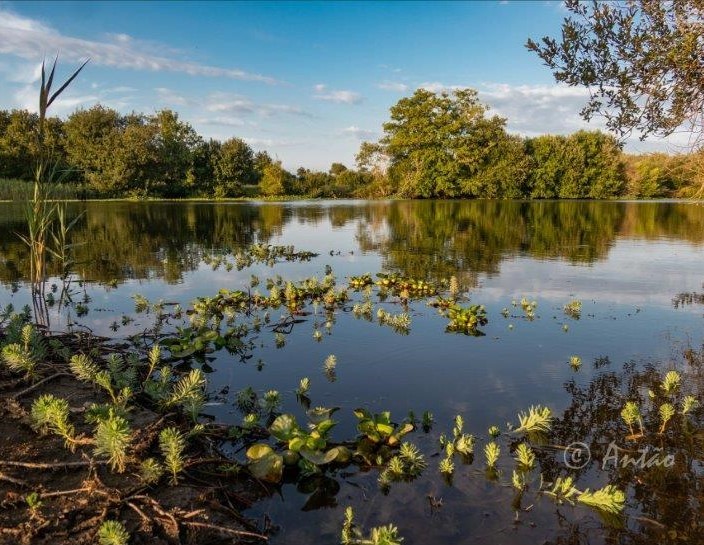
(525, 456)
(537, 420)
(575, 362)
(518, 480)
(631, 414)
(492, 452)
(689, 403)
(608, 499)
(303, 387)
(671, 383)
(666, 412)
(381, 535)
(494, 431)
(573, 309)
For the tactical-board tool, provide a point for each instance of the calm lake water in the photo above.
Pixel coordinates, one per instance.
(627, 262)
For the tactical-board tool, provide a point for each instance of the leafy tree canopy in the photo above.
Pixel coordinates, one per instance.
(642, 61)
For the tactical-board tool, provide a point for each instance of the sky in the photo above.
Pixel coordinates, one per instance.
(305, 81)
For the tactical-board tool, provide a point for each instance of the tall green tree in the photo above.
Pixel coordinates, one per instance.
(275, 180)
(233, 166)
(440, 145)
(175, 142)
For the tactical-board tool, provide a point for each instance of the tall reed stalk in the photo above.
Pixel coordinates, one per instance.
(41, 211)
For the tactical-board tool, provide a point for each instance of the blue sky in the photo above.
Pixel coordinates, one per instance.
(307, 81)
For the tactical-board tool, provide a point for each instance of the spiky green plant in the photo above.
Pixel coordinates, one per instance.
(563, 489)
(575, 362)
(631, 414)
(24, 356)
(113, 532)
(494, 431)
(271, 401)
(518, 480)
(112, 438)
(172, 444)
(492, 451)
(427, 421)
(188, 392)
(303, 387)
(464, 444)
(49, 414)
(666, 412)
(608, 499)
(150, 471)
(671, 383)
(525, 456)
(447, 466)
(689, 403)
(414, 462)
(537, 420)
(381, 535)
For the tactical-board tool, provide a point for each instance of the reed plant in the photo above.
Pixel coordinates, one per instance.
(41, 210)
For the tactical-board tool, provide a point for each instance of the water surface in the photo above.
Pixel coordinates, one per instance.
(626, 262)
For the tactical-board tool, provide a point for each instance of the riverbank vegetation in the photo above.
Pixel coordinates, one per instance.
(435, 145)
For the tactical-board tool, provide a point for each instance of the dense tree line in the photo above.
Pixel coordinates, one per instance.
(435, 145)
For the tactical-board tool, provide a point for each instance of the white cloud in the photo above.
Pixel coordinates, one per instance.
(538, 109)
(273, 143)
(393, 86)
(437, 87)
(339, 97)
(223, 102)
(30, 39)
(358, 133)
(223, 120)
(170, 97)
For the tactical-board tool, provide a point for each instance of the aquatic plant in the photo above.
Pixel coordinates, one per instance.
(378, 427)
(112, 437)
(446, 466)
(537, 420)
(494, 431)
(172, 443)
(466, 319)
(427, 421)
(492, 451)
(573, 309)
(608, 499)
(329, 366)
(49, 414)
(399, 322)
(381, 535)
(666, 412)
(518, 480)
(525, 456)
(150, 471)
(689, 403)
(360, 282)
(113, 532)
(631, 414)
(671, 383)
(575, 362)
(23, 356)
(528, 308)
(303, 387)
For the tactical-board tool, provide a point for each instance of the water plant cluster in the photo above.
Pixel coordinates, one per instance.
(274, 446)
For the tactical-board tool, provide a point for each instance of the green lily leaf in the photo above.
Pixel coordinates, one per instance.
(325, 426)
(318, 457)
(296, 444)
(283, 427)
(258, 451)
(268, 468)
